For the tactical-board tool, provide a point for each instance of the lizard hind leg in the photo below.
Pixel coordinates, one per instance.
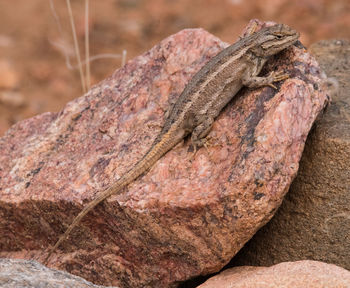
(199, 135)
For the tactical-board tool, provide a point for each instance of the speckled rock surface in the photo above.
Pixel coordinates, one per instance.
(15, 273)
(183, 218)
(300, 274)
(313, 221)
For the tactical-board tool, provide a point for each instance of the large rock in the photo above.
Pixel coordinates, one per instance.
(31, 274)
(314, 220)
(301, 274)
(183, 218)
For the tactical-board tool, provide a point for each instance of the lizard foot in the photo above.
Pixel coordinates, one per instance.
(206, 143)
(277, 76)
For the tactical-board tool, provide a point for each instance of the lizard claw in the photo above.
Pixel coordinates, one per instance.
(206, 146)
(272, 86)
(280, 75)
(194, 152)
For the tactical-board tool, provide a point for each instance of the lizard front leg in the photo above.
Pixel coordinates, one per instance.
(255, 81)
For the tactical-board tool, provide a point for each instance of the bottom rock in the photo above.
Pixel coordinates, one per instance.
(303, 274)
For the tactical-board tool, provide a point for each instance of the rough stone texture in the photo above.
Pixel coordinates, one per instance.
(184, 217)
(16, 273)
(300, 274)
(314, 220)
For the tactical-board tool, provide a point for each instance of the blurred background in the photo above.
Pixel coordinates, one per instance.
(36, 38)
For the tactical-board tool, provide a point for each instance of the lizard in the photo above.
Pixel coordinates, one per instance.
(202, 99)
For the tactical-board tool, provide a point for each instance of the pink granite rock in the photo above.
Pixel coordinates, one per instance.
(300, 274)
(184, 217)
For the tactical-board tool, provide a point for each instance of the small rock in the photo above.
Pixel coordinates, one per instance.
(8, 76)
(13, 99)
(42, 71)
(5, 40)
(31, 274)
(300, 274)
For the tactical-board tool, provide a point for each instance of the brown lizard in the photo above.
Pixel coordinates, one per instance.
(203, 98)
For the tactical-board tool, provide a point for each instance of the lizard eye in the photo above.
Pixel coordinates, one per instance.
(279, 36)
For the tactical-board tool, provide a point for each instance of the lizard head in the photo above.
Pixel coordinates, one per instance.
(273, 39)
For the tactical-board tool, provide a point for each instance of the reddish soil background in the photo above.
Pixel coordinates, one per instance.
(34, 77)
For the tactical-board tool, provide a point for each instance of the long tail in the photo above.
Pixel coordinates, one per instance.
(150, 158)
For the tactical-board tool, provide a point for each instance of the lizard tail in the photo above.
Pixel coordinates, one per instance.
(150, 158)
